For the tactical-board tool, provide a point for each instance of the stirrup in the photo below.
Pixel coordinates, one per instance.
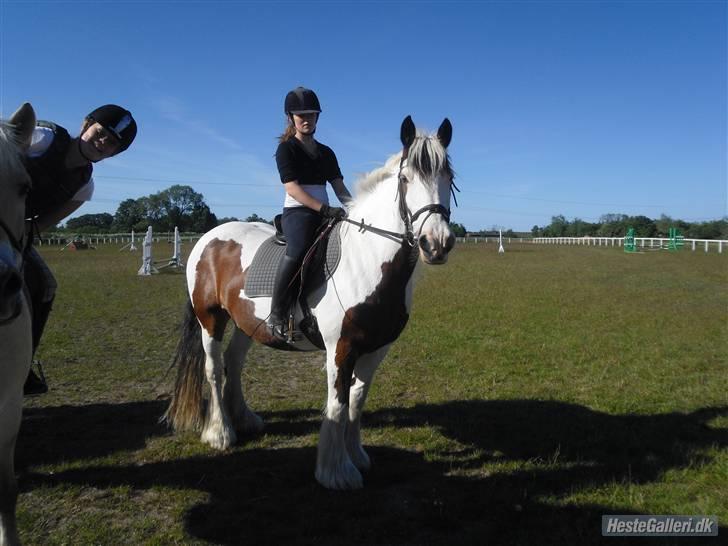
(285, 332)
(278, 330)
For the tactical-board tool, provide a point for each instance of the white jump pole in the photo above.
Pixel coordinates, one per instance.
(147, 267)
(500, 242)
(132, 246)
(176, 260)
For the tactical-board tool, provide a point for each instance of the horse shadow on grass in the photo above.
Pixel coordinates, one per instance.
(513, 460)
(68, 433)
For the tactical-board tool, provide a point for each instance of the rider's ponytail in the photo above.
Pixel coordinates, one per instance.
(289, 132)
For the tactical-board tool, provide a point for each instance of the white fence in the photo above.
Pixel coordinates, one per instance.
(477, 240)
(640, 242)
(108, 238)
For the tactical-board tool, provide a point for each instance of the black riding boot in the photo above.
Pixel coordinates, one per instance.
(283, 292)
(36, 384)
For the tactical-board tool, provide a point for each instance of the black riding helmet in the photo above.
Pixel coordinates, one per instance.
(117, 121)
(301, 101)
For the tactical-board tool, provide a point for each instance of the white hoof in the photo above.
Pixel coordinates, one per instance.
(219, 437)
(359, 457)
(342, 477)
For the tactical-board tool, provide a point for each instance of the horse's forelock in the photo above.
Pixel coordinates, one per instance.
(427, 157)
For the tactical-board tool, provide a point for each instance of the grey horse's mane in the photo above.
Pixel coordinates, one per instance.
(10, 158)
(427, 157)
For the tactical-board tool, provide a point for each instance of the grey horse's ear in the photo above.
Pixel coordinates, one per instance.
(444, 133)
(408, 132)
(23, 122)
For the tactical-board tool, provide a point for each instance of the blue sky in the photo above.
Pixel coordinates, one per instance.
(576, 107)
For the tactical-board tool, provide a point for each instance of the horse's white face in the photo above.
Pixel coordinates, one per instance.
(427, 190)
(15, 136)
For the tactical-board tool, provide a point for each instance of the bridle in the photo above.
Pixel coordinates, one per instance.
(18, 257)
(405, 214)
(17, 244)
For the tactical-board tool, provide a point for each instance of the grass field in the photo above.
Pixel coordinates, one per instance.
(531, 393)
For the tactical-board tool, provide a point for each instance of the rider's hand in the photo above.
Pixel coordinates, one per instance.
(332, 212)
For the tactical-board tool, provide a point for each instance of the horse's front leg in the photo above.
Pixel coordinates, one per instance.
(218, 430)
(363, 375)
(334, 467)
(244, 420)
(9, 425)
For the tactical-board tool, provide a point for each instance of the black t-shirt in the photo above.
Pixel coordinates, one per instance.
(295, 163)
(53, 183)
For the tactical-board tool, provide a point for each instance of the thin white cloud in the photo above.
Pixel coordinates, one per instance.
(173, 109)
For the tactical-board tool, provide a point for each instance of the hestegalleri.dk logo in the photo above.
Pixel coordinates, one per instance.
(659, 526)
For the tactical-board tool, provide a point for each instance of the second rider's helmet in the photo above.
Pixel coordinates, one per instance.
(301, 101)
(118, 121)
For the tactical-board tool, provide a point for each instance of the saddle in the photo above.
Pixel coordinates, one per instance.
(319, 268)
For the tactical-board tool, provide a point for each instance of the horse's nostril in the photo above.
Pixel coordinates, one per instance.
(10, 284)
(450, 243)
(425, 244)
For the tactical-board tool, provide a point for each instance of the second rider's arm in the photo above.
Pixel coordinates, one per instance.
(51, 218)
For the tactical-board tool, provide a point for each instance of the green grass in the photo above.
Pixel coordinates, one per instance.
(531, 393)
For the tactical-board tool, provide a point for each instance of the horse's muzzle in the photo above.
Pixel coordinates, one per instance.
(11, 285)
(434, 251)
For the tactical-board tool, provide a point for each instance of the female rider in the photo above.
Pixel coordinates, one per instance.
(61, 167)
(304, 165)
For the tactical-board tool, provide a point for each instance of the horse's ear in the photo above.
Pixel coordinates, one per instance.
(23, 122)
(408, 132)
(444, 133)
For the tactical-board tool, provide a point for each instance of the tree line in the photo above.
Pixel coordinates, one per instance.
(616, 225)
(177, 206)
(181, 206)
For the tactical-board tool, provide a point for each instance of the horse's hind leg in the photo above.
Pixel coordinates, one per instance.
(218, 430)
(244, 420)
(334, 467)
(363, 375)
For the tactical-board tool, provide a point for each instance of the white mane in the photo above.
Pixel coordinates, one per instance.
(368, 181)
(426, 157)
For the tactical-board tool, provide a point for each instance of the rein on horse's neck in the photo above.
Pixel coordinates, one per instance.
(376, 214)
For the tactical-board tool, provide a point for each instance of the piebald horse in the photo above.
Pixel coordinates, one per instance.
(399, 217)
(15, 329)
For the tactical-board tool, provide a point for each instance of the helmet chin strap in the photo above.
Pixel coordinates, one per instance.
(80, 151)
(87, 158)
